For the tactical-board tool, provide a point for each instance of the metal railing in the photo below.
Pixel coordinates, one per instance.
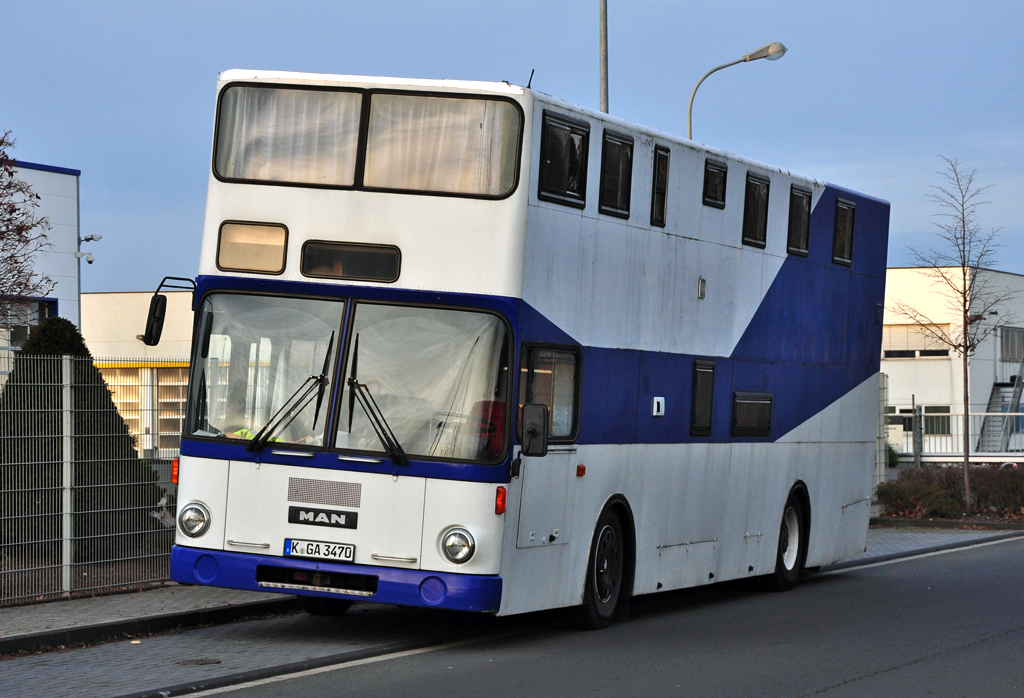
(86, 502)
(990, 433)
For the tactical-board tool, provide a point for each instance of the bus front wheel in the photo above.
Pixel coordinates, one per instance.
(602, 590)
(792, 550)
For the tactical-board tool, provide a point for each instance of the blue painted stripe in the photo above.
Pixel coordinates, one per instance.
(21, 164)
(812, 340)
(464, 592)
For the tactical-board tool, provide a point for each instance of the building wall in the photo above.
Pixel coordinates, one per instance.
(58, 191)
(939, 380)
(112, 322)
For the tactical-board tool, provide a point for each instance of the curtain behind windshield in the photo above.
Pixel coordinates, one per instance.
(288, 135)
(254, 355)
(438, 376)
(438, 144)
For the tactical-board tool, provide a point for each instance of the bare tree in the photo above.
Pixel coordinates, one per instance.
(958, 267)
(22, 239)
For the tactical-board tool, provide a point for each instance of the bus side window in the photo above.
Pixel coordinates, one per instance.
(703, 397)
(563, 161)
(551, 377)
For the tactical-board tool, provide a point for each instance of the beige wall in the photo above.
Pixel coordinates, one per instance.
(112, 321)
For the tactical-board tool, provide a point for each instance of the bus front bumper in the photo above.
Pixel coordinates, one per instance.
(457, 592)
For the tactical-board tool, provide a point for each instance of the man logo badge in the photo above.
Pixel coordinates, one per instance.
(322, 517)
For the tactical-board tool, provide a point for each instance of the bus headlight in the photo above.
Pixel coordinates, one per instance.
(458, 545)
(194, 520)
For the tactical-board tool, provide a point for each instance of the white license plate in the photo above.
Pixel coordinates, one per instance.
(342, 552)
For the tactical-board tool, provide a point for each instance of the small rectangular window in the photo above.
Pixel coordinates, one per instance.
(715, 174)
(254, 247)
(755, 211)
(934, 352)
(552, 377)
(703, 397)
(563, 161)
(659, 190)
(345, 260)
(842, 241)
(616, 174)
(900, 353)
(751, 414)
(799, 220)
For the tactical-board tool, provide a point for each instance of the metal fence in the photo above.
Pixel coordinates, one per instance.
(86, 502)
(992, 433)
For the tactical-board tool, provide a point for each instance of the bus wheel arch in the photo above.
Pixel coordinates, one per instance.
(614, 528)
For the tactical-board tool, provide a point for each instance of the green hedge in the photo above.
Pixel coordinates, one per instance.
(939, 491)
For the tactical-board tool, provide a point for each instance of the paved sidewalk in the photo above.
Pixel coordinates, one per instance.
(90, 620)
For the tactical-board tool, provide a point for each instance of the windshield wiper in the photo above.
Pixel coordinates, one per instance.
(295, 403)
(358, 391)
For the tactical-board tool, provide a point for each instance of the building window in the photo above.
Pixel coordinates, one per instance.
(936, 421)
(751, 414)
(799, 220)
(900, 353)
(1011, 344)
(659, 190)
(933, 352)
(755, 211)
(563, 161)
(714, 183)
(616, 174)
(703, 397)
(551, 376)
(842, 240)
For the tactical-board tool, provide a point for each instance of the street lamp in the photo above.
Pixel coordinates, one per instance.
(773, 52)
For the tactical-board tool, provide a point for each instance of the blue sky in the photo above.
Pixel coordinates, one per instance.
(868, 97)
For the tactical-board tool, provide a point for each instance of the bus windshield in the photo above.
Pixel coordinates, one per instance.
(438, 377)
(254, 357)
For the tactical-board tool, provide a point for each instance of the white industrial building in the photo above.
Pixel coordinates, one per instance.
(924, 371)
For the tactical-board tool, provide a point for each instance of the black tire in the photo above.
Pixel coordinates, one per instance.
(319, 606)
(792, 551)
(602, 589)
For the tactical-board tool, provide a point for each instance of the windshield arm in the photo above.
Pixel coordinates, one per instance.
(323, 380)
(302, 396)
(380, 425)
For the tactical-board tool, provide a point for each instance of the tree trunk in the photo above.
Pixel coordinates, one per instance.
(967, 437)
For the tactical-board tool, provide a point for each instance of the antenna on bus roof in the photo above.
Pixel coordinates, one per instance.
(530, 81)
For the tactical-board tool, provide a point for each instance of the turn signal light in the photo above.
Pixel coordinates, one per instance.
(499, 501)
(174, 471)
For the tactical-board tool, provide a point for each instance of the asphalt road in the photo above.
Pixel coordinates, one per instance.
(950, 624)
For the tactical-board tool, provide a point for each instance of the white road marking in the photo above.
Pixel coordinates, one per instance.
(345, 665)
(980, 544)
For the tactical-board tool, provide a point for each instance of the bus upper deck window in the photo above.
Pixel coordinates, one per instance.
(755, 211)
(287, 135)
(659, 189)
(616, 175)
(252, 247)
(342, 260)
(563, 161)
(448, 145)
(799, 220)
(715, 175)
(842, 241)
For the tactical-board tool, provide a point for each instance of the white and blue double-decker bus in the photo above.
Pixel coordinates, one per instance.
(464, 345)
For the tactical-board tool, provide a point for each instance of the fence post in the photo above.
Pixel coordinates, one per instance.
(918, 434)
(67, 477)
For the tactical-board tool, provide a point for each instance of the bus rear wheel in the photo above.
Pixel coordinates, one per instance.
(602, 590)
(319, 606)
(792, 550)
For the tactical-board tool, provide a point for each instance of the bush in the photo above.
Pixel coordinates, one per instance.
(939, 491)
(113, 490)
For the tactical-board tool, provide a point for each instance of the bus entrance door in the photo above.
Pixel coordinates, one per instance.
(545, 508)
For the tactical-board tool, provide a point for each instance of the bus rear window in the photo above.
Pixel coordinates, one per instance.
(288, 135)
(442, 144)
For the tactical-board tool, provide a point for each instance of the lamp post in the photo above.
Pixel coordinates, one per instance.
(92, 237)
(773, 52)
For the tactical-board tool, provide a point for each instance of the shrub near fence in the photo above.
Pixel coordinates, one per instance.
(939, 491)
(79, 510)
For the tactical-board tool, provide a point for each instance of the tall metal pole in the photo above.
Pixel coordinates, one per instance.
(604, 56)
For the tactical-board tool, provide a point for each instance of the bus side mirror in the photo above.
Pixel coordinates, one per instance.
(155, 321)
(535, 430)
